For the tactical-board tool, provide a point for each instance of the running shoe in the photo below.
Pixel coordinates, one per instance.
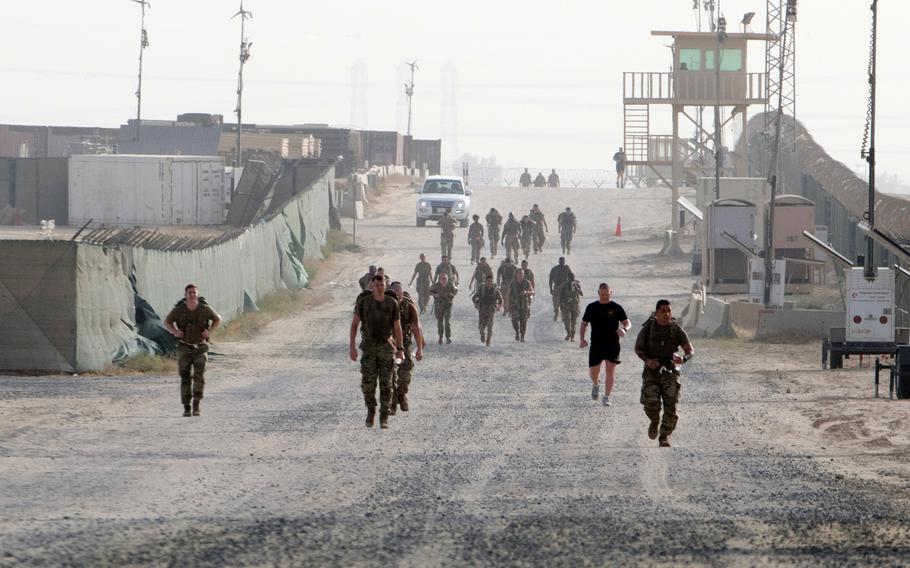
(606, 400)
(595, 391)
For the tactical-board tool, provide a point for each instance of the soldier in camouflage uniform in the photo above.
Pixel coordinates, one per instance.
(494, 222)
(529, 274)
(475, 239)
(412, 334)
(443, 293)
(447, 236)
(528, 230)
(511, 236)
(521, 295)
(657, 345)
(367, 278)
(447, 268)
(504, 277)
(540, 226)
(424, 274)
(379, 316)
(487, 299)
(192, 322)
(567, 227)
(569, 294)
(558, 275)
(481, 272)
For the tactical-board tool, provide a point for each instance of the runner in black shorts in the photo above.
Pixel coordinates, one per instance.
(609, 323)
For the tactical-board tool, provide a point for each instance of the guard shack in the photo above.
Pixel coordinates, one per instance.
(731, 231)
(709, 69)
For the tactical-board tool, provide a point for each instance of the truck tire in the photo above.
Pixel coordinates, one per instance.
(421, 222)
(837, 360)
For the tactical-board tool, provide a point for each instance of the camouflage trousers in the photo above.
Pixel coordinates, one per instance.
(520, 314)
(191, 366)
(556, 303)
(539, 239)
(494, 240)
(377, 364)
(486, 324)
(443, 320)
(661, 390)
(476, 250)
(446, 242)
(526, 245)
(569, 318)
(401, 381)
(512, 244)
(423, 294)
(566, 241)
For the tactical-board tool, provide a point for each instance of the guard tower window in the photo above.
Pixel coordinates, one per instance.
(690, 59)
(731, 59)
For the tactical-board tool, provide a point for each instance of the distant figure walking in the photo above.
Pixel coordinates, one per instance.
(620, 159)
(192, 322)
(540, 181)
(553, 180)
(525, 179)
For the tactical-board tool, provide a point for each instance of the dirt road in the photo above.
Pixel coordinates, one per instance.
(503, 458)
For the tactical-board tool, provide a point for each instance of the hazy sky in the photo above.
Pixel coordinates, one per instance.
(538, 83)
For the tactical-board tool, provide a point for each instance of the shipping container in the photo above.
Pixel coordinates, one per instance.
(146, 190)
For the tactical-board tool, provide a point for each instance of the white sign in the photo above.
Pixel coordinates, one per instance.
(870, 306)
(757, 282)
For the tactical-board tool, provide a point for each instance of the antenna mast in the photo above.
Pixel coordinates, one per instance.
(409, 91)
(143, 43)
(245, 45)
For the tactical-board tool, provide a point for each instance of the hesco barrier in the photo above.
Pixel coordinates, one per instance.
(70, 306)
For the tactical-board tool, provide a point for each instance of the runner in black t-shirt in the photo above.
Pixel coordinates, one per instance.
(609, 323)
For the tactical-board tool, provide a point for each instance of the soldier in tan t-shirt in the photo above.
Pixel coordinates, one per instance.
(192, 322)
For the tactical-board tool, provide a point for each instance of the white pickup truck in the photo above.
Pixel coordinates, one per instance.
(440, 194)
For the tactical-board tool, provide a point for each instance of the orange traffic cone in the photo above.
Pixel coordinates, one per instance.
(618, 227)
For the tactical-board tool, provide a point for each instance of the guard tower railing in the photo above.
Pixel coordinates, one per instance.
(694, 88)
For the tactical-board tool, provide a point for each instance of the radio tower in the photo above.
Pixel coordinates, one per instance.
(245, 46)
(143, 43)
(780, 68)
(409, 91)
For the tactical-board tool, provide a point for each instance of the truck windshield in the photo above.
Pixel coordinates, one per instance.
(443, 186)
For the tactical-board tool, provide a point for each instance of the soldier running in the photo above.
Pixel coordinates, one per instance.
(412, 334)
(423, 272)
(609, 324)
(540, 224)
(511, 236)
(447, 268)
(480, 273)
(520, 295)
(475, 239)
(487, 300)
(443, 293)
(447, 236)
(569, 293)
(567, 227)
(529, 274)
(528, 230)
(192, 322)
(558, 275)
(494, 222)
(379, 317)
(658, 342)
(504, 277)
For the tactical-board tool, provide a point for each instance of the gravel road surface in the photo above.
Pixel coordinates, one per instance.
(503, 459)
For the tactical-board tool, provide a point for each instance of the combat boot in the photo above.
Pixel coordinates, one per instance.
(483, 337)
(393, 407)
(383, 420)
(371, 416)
(186, 410)
(196, 411)
(652, 428)
(403, 402)
(664, 442)
(517, 336)
(448, 340)
(488, 341)
(440, 340)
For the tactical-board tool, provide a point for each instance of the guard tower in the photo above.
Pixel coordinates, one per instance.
(699, 80)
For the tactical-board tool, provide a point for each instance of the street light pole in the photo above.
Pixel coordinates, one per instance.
(244, 56)
(143, 43)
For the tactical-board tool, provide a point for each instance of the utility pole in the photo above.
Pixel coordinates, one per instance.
(721, 36)
(143, 43)
(409, 91)
(869, 155)
(244, 56)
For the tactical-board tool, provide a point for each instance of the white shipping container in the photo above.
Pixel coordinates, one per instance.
(146, 190)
